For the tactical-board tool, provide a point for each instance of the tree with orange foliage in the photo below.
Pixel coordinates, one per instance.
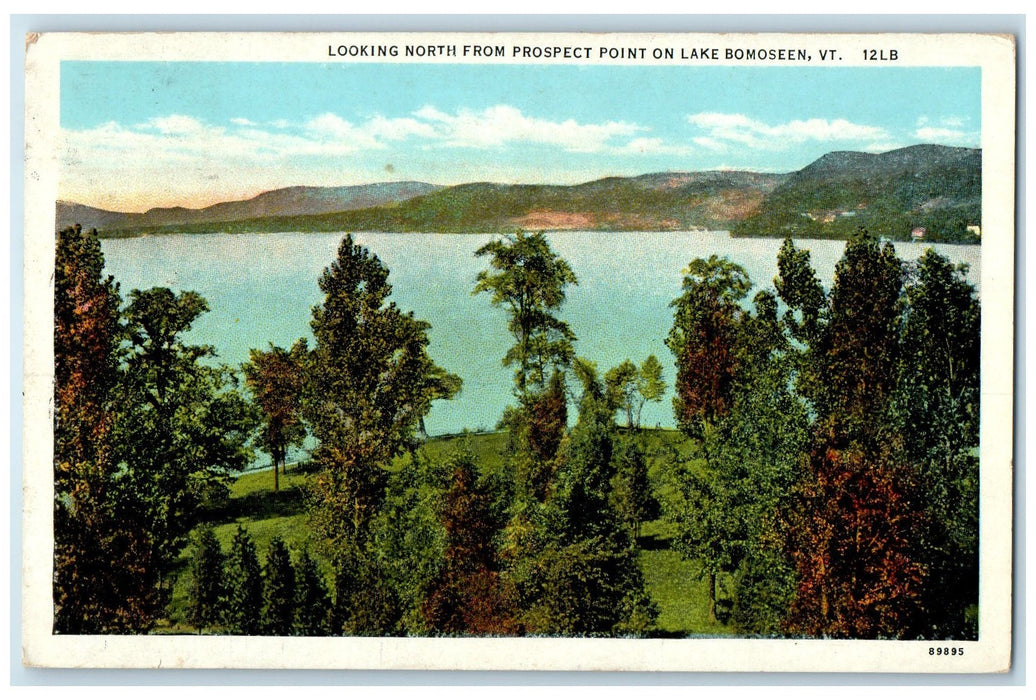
(857, 547)
(703, 340)
(96, 559)
(855, 532)
(468, 596)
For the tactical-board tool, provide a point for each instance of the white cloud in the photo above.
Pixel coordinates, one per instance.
(721, 130)
(178, 138)
(398, 129)
(709, 143)
(330, 127)
(502, 125)
(184, 154)
(174, 124)
(940, 134)
(950, 130)
(882, 146)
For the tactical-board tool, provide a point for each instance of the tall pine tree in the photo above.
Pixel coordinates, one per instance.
(278, 618)
(312, 599)
(208, 590)
(243, 612)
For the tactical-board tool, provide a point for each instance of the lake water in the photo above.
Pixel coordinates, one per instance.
(261, 289)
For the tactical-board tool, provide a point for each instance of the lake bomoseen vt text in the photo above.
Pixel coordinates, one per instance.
(683, 53)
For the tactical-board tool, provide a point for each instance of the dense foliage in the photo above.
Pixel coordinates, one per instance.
(86, 338)
(148, 430)
(825, 485)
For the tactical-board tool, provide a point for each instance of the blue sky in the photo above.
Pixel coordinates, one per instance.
(143, 134)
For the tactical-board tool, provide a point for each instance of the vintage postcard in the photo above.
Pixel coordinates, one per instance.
(643, 352)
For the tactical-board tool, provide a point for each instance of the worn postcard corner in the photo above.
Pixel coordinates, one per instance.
(643, 352)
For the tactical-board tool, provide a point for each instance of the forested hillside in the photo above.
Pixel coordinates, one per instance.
(935, 188)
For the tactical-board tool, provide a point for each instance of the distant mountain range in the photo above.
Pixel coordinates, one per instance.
(937, 188)
(289, 201)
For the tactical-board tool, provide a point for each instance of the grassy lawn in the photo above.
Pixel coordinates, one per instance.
(672, 582)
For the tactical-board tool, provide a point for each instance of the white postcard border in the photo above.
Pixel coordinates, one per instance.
(993, 54)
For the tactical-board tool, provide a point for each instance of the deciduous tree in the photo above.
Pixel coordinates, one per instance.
(371, 381)
(581, 575)
(937, 405)
(629, 387)
(183, 428)
(856, 530)
(703, 340)
(276, 379)
(529, 280)
(97, 558)
(856, 545)
(469, 596)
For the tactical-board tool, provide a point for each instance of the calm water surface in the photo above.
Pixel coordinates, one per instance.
(261, 289)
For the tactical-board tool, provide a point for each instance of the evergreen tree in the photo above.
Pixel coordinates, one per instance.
(365, 604)
(312, 599)
(243, 614)
(208, 592)
(278, 618)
